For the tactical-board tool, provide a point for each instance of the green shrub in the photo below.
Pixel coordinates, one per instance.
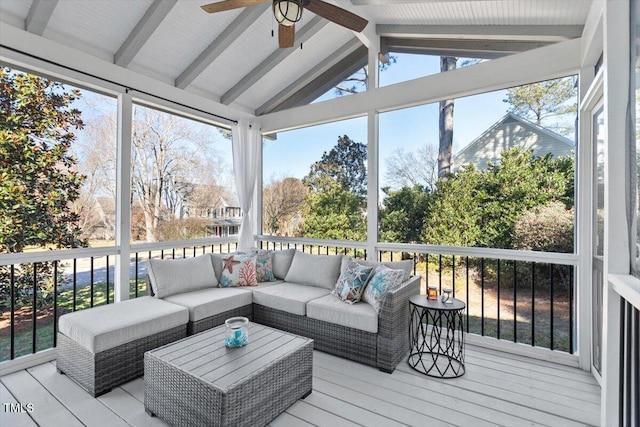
(547, 228)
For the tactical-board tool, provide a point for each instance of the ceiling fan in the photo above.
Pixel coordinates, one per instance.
(288, 12)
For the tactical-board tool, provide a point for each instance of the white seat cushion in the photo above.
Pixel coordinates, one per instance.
(107, 326)
(330, 309)
(208, 302)
(289, 297)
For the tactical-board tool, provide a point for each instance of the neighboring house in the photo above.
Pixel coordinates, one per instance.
(509, 132)
(216, 203)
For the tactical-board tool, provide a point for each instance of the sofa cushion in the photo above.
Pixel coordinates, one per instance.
(174, 276)
(321, 271)
(351, 282)
(107, 326)
(383, 280)
(264, 266)
(330, 309)
(239, 269)
(282, 262)
(208, 302)
(405, 265)
(289, 297)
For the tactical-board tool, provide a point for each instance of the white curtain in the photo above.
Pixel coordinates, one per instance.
(246, 150)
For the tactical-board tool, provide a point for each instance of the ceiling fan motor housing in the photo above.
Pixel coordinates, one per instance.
(288, 12)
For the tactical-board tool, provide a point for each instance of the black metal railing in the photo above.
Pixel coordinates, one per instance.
(523, 297)
(35, 294)
(629, 410)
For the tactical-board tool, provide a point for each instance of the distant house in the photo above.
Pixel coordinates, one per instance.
(216, 203)
(509, 132)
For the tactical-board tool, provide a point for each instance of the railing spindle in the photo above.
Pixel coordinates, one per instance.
(135, 291)
(533, 304)
(55, 303)
(551, 307)
(499, 301)
(515, 302)
(75, 282)
(482, 296)
(571, 272)
(34, 311)
(12, 292)
(91, 283)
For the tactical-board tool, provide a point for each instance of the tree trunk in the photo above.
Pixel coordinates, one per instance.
(447, 63)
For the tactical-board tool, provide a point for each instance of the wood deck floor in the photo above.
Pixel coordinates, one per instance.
(497, 389)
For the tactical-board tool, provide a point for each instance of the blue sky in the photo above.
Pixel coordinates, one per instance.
(294, 151)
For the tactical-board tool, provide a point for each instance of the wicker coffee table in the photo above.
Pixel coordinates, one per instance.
(198, 381)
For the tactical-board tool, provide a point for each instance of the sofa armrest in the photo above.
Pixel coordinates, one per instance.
(393, 324)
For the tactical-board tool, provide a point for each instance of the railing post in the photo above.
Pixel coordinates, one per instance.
(123, 197)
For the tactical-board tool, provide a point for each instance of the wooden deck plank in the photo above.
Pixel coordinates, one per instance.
(467, 404)
(86, 408)
(347, 410)
(348, 393)
(438, 410)
(504, 401)
(19, 418)
(135, 388)
(48, 411)
(532, 365)
(288, 420)
(377, 406)
(317, 416)
(129, 408)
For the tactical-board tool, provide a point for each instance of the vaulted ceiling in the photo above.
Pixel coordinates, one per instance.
(232, 58)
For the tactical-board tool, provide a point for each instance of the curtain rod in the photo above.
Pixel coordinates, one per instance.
(127, 88)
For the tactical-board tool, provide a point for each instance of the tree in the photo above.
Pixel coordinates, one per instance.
(403, 214)
(335, 205)
(332, 212)
(37, 177)
(168, 151)
(345, 163)
(360, 79)
(282, 202)
(480, 208)
(546, 103)
(38, 180)
(447, 63)
(413, 168)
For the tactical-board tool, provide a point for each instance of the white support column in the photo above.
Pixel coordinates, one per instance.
(584, 224)
(372, 184)
(372, 148)
(123, 197)
(256, 211)
(616, 259)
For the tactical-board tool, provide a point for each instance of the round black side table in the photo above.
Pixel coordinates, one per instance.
(436, 336)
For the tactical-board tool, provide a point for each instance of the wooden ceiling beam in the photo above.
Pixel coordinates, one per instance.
(153, 17)
(39, 15)
(311, 80)
(239, 25)
(279, 55)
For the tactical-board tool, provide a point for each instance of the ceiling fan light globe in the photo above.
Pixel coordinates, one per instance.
(287, 12)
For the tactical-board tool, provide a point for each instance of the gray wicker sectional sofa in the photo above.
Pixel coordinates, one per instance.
(103, 347)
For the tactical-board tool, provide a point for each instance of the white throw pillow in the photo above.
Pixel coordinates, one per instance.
(174, 276)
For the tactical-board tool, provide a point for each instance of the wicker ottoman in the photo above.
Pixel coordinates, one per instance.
(103, 347)
(197, 381)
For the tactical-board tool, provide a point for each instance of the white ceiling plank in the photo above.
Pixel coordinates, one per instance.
(502, 32)
(220, 44)
(39, 15)
(310, 76)
(308, 31)
(143, 30)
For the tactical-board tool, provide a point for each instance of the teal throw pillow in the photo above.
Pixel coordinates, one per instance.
(264, 266)
(383, 280)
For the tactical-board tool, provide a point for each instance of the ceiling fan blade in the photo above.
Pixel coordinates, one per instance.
(230, 4)
(337, 14)
(286, 35)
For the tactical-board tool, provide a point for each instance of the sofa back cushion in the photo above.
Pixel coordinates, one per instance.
(321, 271)
(174, 276)
(281, 262)
(405, 265)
